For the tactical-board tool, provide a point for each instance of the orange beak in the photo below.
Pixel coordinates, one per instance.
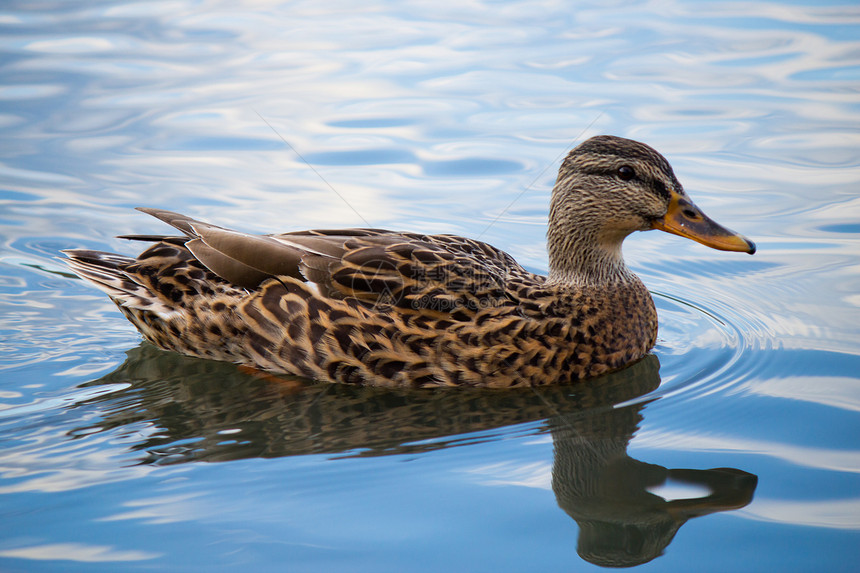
(685, 219)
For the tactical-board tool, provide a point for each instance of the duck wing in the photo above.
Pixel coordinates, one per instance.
(413, 272)
(444, 273)
(243, 259)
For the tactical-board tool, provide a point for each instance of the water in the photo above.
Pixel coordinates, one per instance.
(433, 117)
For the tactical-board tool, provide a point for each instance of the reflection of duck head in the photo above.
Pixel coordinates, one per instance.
(607, 492)
(195, 404)
(626, 525)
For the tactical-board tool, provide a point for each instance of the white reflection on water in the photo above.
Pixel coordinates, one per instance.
(819, 458)
(45, 460)
(78, 552)
(163, 509)
(832, 513)
(535, 475)
(835, 392)
(73, 45)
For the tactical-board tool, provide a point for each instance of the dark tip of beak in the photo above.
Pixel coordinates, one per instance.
(752, 247)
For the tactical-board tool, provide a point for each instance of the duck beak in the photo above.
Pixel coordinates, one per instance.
(685, 219)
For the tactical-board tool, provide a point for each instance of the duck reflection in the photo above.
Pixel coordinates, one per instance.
(621, 523)
(200, 410)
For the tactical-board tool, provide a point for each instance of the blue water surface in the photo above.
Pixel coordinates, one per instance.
(733, 448)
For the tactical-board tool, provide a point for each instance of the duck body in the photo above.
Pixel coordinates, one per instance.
(376, 307)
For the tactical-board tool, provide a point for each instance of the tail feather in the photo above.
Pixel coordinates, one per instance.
(107, 271)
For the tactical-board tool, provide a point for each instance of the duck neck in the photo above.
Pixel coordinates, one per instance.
(584, 256)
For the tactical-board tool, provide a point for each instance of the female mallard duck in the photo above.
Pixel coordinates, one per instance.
(368, 306)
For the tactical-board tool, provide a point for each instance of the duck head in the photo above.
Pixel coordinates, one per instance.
(609, 187)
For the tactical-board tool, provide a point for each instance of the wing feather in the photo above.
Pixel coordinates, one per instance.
(446, 273)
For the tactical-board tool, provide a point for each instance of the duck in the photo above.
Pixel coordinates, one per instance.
(401, 309)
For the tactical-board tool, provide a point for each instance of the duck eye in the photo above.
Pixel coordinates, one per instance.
(626, 173)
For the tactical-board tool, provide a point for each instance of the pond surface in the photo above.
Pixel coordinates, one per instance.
(733, 448)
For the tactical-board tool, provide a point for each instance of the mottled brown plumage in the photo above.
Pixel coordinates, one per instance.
(368, 306)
